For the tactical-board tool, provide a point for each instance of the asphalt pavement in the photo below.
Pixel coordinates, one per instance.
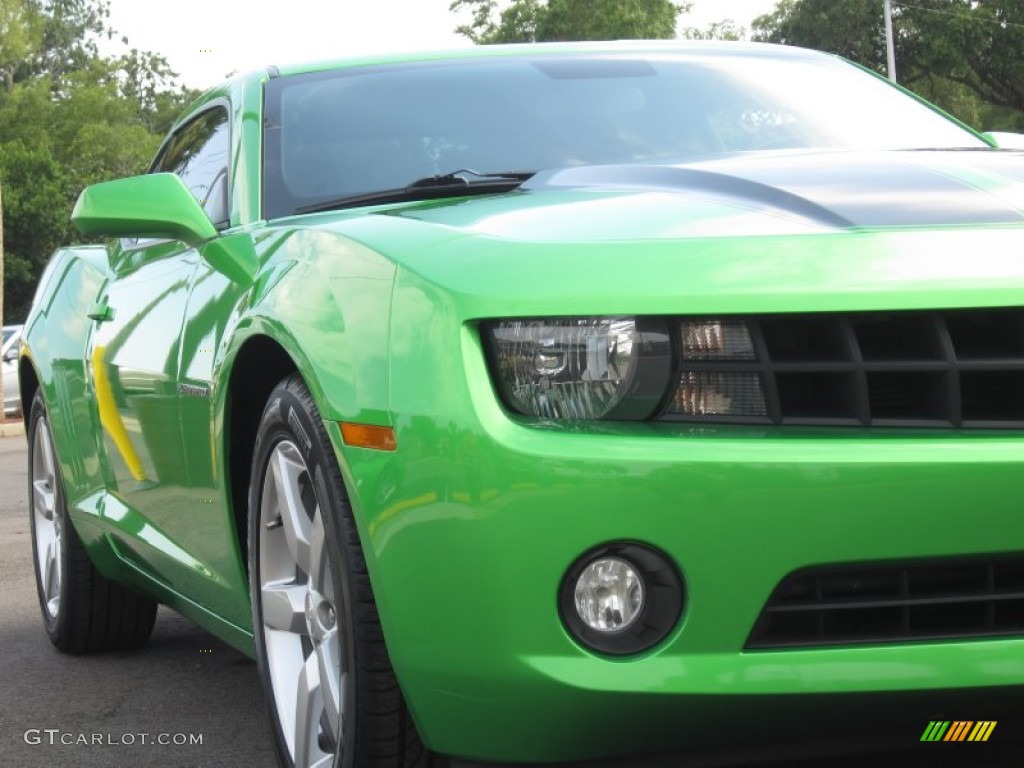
(184, 686)
(202, 699)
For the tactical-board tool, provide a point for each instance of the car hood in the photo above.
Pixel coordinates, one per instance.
(774, 231)
(748, 194)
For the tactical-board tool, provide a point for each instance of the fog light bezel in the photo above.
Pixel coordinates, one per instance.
(664, 599)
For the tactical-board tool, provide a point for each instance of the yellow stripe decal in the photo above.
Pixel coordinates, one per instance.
(110, 417)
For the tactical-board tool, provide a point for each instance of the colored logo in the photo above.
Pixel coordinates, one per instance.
(958, 730)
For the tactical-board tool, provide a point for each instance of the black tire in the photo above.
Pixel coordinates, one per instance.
(375, 730)
(91, 614)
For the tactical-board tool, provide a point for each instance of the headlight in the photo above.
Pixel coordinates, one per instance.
(581, 368)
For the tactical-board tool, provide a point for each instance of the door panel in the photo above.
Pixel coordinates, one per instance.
(133, 360)
(158, 427)
(134, 357)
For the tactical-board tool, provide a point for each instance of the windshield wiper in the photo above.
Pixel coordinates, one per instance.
(429, 188)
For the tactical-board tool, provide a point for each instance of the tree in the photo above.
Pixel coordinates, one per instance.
(962, 54)
(977, 43)
(68, 118)
(67, 32)
(727, 29)
(527, 21)
(34, 222)
(854, 28)
(18, 37)
(147, 79)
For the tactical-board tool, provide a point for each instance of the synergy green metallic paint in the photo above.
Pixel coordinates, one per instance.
(145, 351)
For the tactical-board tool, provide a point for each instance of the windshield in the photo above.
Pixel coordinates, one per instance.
(360, 130)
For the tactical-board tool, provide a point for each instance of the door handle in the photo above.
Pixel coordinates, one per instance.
(101, 311)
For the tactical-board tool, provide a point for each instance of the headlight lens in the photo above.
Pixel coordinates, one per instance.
(629, 368)
(581, 368)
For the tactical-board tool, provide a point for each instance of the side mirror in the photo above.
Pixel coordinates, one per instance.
(11, 355)
(156, 205)
(1005, 139)
(160, 205)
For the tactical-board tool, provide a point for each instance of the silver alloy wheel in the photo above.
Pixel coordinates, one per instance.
(48, 522)
(301, 631)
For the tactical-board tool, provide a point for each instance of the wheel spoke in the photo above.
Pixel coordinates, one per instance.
(42, 497)
(51, 572)
(284, 607)
(287, 467)
(43, 475)
(319, 569)
(308, 708)
(47, 450)
(46, 534)
(330, 681)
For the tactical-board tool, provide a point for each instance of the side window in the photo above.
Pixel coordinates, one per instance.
(199, 154)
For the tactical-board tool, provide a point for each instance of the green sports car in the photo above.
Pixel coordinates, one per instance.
(540, 403)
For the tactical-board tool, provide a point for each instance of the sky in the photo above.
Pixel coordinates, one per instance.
(206, 40)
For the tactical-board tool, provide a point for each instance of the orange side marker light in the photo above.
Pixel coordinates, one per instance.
(368, 436)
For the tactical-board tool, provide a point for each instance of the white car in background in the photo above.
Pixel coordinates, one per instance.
(12, 400)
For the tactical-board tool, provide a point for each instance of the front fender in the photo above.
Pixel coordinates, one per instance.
(326, 300)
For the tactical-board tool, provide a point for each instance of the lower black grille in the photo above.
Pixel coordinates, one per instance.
(894, 602)
(950, 368)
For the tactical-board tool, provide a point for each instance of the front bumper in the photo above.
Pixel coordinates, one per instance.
(470, 526)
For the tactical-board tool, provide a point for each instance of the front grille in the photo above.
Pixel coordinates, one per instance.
(950, 368)
(894, 602)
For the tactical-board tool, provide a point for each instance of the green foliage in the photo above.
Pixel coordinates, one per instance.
(146, 79)
(33, 224)
(527, 21)
(19, 36)
(68, 30)
(853, 28)
(68, 118)
(719, 30)
(977, 44)
(964, 55)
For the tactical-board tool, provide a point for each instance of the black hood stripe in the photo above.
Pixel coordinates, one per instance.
(837, 189)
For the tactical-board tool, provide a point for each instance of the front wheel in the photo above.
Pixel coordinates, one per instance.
(333, 697)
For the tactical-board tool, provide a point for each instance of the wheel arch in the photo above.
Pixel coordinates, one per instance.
(256, 368)
(333, 331)
(260, 361)
(28, 383)
(262, 355)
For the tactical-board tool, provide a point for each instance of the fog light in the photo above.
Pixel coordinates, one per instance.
(609, 594)
(621, 598)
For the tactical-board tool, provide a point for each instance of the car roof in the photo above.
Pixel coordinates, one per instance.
(728, 47)
(239, 82)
